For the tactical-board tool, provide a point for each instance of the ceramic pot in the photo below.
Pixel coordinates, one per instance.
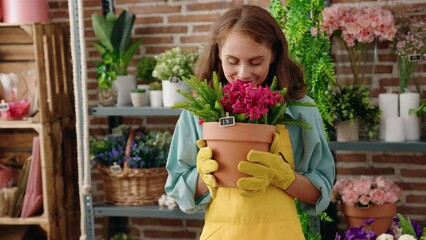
(347, 131)
(156, 98)
(383, 215)
(124, 86)
(170, 95)
(231, 145)
(107, 97)
(139, 99)
(24, 11)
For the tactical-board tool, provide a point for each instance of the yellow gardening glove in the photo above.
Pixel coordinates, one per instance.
(265, 168)
(206, 166)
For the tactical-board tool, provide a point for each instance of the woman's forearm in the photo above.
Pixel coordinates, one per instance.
(304, 190)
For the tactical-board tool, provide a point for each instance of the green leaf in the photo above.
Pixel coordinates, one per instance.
(101, 28)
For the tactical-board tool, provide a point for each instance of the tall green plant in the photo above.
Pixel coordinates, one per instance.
(300, 20)
(115, 46)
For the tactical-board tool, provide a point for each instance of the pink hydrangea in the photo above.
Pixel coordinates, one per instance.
(358, 24)
(365, 190)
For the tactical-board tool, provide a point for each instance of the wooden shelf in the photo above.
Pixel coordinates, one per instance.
(19, 124)
(38, 220)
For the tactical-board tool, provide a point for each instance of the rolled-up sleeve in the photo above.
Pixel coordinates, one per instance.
(181, 165)
(312, 155)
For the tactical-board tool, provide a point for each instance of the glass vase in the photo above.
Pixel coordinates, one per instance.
(406, 71)
(107, 97)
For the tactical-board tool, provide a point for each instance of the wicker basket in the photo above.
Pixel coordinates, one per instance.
(133, 186)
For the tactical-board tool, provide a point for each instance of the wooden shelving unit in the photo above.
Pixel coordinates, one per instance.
(40, 55)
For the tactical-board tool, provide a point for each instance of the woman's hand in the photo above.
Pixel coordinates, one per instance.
(265, 168)
(206, 166)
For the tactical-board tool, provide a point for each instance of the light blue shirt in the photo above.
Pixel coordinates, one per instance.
(312, 158)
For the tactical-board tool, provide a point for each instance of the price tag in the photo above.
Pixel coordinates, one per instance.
(174, 79)
(4, 106)
(414, 57)
(227, 121)
(116, 168)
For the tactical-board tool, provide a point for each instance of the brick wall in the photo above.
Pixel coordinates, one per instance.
(185, 23)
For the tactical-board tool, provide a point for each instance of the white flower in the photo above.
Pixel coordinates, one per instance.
(384, 236)
(407, 237)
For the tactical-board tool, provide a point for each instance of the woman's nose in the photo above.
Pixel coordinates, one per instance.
(244, 72)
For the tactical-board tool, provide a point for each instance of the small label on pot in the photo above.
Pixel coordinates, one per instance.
(174, 79)
(4, 106)
(116, 168)
(227, 121)
(414, 57)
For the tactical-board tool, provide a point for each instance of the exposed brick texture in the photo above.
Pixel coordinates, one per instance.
(185, 23)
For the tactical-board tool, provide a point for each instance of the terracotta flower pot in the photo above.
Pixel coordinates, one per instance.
(382, 214)
(231, 144)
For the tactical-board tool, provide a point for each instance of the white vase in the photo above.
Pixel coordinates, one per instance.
(124, 86)
(347, 131)
(156, 98)
(170, 95)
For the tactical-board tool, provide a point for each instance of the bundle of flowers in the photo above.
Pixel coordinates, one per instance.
(410, 37)
(364, 191)
(358, 24)
(148, 149)
(246, 101)
(402, 228)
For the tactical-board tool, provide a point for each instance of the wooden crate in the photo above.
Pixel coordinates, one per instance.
(39, 55)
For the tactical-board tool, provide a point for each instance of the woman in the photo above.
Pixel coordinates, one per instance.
(248, 44)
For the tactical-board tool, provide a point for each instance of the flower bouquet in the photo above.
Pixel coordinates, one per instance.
(367, 197)
(356, 28)
(409, 46)
(239, 116)
(402, 228)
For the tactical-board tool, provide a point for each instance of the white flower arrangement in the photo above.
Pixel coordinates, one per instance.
(166, 201)
(174, 63)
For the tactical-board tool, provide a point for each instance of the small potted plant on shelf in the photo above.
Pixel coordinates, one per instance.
(139, 97)
(129, 157)
(155, 94)
(171, 66)
(117, 51)
(350, 105)
(367, 197)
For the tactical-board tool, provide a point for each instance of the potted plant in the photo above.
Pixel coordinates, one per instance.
(351, 104)
(171, 66)
(155, 94)
(144, 68)
(367, 197)
(131, 157)
(241, 127)
(139, 97)
(117, 51)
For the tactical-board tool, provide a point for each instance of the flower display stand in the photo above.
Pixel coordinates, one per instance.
(382, 214)
(231, 144)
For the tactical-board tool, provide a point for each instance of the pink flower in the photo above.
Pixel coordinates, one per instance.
(365, 190)
(249, 99)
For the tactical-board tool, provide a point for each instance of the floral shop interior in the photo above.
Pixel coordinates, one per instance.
(91, 92)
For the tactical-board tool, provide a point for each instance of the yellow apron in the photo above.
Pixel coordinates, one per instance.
(269, 216)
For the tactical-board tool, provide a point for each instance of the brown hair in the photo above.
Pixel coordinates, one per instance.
(259, 25)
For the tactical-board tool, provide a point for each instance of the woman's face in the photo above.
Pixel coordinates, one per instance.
(242, 58)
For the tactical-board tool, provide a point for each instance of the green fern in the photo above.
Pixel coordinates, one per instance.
(297, 19)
